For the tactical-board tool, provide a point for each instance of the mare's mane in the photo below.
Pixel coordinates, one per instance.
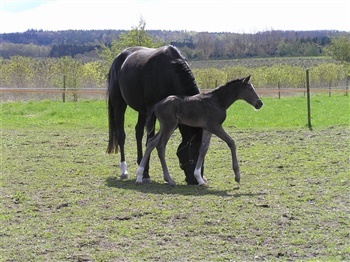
(184, 72)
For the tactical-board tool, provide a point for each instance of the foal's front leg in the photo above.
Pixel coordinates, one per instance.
(221, 133)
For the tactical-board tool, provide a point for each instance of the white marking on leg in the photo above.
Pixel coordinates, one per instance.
(139, 174)
(198, 176)
(123, 170)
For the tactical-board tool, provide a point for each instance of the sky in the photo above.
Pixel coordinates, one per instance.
(237, 16)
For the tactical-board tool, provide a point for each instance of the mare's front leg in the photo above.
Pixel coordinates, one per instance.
(206, 136)
(221, 133)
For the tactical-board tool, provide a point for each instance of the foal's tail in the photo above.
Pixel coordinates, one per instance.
(151, 119)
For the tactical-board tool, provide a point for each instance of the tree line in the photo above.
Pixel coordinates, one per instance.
(194, 45)
(22, 71)
(26, 72)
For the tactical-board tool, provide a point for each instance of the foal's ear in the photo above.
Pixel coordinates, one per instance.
(246, 80)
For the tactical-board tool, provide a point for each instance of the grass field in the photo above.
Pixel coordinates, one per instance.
(61, 199)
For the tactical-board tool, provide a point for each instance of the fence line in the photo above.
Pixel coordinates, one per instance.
(102, 91)
(54, 90)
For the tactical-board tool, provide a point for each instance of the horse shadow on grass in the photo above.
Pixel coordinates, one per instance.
(161, 188)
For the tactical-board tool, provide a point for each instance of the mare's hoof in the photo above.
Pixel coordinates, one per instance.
(124, 176)
(237, 179)
(146, 180)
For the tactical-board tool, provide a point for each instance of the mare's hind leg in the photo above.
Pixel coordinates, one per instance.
(119, 112)
(206, 136)
(139, 131)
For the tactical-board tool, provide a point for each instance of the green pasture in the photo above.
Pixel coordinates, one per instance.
(288, 112)
(62, 199)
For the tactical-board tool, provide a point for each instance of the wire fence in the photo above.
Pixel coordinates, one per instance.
(73, 94)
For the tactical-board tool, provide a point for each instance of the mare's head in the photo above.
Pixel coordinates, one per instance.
(248, 94)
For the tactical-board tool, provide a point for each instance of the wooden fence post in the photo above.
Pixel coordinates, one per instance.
(308, 100)
(64, 89)
(279, 90)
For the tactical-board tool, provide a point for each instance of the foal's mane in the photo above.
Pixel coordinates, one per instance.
(233, 81)
(227, 84)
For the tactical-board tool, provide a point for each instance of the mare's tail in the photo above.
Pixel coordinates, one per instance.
(112, 84)
(151, 119)
(114, 97)
(112, 142)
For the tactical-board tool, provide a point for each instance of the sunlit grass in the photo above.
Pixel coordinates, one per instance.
(287, 112)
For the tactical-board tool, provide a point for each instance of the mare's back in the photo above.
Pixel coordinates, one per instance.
(148, 75)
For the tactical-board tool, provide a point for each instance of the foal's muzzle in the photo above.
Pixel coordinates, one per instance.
(258, 104)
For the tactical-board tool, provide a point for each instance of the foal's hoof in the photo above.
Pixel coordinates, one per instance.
(172, 183)
(237, 179)
(124, 176)
(146, 180)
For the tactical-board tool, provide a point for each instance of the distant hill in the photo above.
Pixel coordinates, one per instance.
(195, 45)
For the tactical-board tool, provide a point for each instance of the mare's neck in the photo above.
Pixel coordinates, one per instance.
(226, 95)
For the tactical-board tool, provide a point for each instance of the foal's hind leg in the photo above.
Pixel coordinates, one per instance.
(206, 136)
(159, 140)
(163, 140)
(152, 143)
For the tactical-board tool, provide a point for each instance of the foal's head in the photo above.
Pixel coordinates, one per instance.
(248, 94)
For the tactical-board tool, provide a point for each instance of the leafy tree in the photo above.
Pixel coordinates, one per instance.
(326, 74)
(235, 72)
(94, 74)
(204, 44)
(136, 37)
(70, 69)
(3, 72)
(209, 77)
(340, 48)
(310, 49)
(18, 71)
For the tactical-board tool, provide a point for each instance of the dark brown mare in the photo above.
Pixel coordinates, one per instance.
(207, 111)
(140, 77)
